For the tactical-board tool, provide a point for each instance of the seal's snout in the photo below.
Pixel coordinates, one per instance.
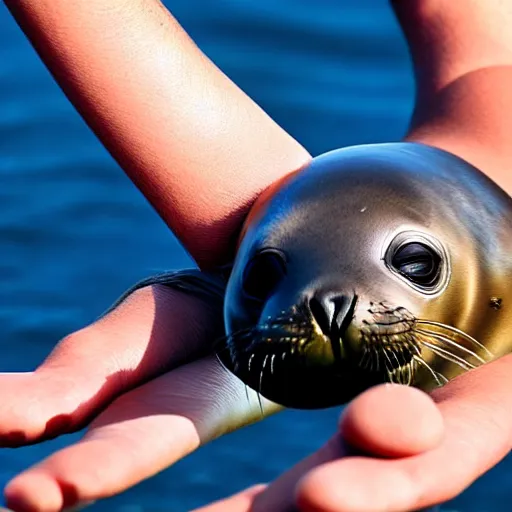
(332, 312)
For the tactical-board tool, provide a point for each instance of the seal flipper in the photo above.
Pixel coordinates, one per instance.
(207, 286)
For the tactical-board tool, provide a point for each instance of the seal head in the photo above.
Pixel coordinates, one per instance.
(376, 263)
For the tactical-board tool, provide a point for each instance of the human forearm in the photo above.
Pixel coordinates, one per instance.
(449, 39)
(196, 145)
(462, 55)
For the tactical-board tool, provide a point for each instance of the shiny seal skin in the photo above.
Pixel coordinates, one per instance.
(375, 263)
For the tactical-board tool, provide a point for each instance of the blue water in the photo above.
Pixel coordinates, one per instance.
(332, 72)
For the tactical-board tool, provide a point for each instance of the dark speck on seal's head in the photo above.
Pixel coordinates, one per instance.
(373, 264)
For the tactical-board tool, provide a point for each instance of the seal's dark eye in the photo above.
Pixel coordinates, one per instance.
(262, 274)
(418, 263)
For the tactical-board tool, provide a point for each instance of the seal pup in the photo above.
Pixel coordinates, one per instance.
(375, 263)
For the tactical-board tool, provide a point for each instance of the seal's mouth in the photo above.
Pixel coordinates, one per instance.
(300, 359)
(290, 359)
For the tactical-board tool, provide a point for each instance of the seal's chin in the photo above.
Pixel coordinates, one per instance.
(288, 359)
(297, 360)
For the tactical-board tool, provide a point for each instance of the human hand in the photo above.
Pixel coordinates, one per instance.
(91, 49)
(420, 455)
(156, 408)
(48, 416)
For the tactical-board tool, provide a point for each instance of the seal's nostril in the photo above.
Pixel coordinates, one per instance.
(333, 313)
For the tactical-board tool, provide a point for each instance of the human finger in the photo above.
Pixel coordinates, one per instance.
(156, 328)
(408, 422)
(140, 434)
(477, 413)
(368, 426)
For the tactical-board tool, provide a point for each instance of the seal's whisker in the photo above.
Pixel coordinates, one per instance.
(393, 352)
(410, 372)
(445, 354)
(260, 404)
(447, 341)
(262, 372)
(247, 394)
(462, 334)
(260, 384)
(272, 364)
(376, 359)
(390, 323)
(403, 373)
(365, 359)
(413, 344)
(406, 353)
(435, 374)
(406, 375)
(388, 360)
(369, 359)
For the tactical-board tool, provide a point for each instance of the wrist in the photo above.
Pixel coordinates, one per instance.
(462, 56)
(449, 39)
